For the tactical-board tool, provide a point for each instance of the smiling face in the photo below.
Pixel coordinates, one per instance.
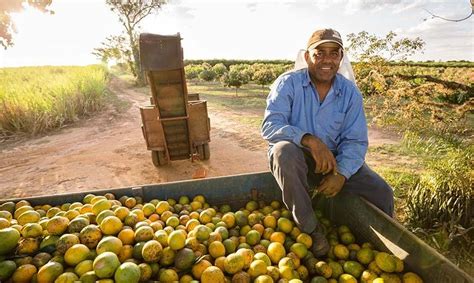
(323, 62)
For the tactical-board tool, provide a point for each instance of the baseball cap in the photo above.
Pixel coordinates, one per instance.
(322, 36)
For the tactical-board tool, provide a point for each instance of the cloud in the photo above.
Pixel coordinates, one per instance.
(453, 40)
(252, 7)
(184, 12)
(396, 6)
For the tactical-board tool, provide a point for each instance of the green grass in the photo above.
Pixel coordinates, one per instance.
(248, 97)
(34, 100)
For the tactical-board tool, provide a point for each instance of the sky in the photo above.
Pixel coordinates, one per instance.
(240, 29)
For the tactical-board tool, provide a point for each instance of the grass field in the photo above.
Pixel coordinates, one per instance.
(36, 99)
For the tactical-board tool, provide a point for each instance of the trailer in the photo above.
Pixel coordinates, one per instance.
(175, 125)
(365, 220)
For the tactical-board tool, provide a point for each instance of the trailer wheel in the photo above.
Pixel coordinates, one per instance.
(158, 158)
(203, 151)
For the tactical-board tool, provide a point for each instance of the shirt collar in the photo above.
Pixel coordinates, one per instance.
(336, 85)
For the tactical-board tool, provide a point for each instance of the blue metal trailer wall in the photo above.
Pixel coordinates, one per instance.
(365, 221)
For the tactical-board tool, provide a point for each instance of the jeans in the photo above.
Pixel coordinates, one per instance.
(293, 168)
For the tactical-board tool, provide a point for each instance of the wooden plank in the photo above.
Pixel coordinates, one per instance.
(148, 113)
(199, 128)
(166, 77)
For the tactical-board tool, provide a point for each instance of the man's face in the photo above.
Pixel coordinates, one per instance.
(323, 62)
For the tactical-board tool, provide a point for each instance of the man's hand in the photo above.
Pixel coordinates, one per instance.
(325, 161)
(331, 184)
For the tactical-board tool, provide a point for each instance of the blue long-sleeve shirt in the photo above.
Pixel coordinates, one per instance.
(294, 109)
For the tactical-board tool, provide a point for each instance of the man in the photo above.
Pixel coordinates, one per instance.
(317, 132)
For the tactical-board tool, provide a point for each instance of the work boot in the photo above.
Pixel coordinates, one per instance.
(320, 244)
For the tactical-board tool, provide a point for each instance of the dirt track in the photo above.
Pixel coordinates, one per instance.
(108, 150)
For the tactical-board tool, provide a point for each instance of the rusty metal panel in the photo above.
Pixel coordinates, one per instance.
(160, 52)
(199, 126)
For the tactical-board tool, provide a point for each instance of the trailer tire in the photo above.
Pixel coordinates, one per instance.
(203, 151)
(158, 158)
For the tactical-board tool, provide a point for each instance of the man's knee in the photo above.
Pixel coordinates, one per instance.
(385, 196)
(286, 152)
(373, 187)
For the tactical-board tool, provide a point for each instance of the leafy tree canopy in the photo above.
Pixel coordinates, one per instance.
(7, 7)
(130, 14)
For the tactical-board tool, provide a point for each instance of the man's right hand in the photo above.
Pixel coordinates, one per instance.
(325, 161)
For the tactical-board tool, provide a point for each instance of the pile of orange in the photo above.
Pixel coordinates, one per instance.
(187, 240)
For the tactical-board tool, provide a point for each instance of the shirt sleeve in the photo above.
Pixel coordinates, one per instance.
(353, 145)
(275, 125)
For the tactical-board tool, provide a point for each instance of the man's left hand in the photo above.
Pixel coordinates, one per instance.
(331, 184)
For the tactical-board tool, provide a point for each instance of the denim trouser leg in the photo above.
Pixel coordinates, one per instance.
(293, 167)
(369, 185)
(287, 163)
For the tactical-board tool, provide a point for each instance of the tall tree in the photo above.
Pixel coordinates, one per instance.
(374, 54)
(7, 7)
(131, 13)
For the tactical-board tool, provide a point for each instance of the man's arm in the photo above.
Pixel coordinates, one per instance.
(351, 149)
(275, 125)
(354, 141)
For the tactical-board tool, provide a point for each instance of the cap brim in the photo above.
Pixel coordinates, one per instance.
(316, 44)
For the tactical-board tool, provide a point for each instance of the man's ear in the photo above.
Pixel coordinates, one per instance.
(306, 55)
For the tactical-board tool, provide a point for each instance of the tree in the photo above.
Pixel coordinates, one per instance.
(219, 69)
(374, 54)
(264, 76)
(131, 13)
(368, 47)
(7, 27)
(207, 75)
(192, 71)
(116, 47)
(245, 71)
(235, 78)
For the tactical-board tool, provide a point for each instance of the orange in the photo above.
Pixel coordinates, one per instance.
(76, 254)
(177, 240)
(111, 225)
(126, 252)
(229, 219)
(305, 239)
(199, 268)
(151, 251)
(276, 251)
(341, 251)
(212, 274)
(299, 249)
(252, 237)
(270, 221)
(257, 267)
(216, 249)
(247, 255)
(278, 237)
(233, 263)
(127, 236)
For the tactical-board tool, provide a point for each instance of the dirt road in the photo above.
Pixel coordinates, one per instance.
(108, 150)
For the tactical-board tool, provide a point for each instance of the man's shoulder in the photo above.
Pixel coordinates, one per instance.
(301, 73)
(347, 86)
(345, 82)
(292, 76)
